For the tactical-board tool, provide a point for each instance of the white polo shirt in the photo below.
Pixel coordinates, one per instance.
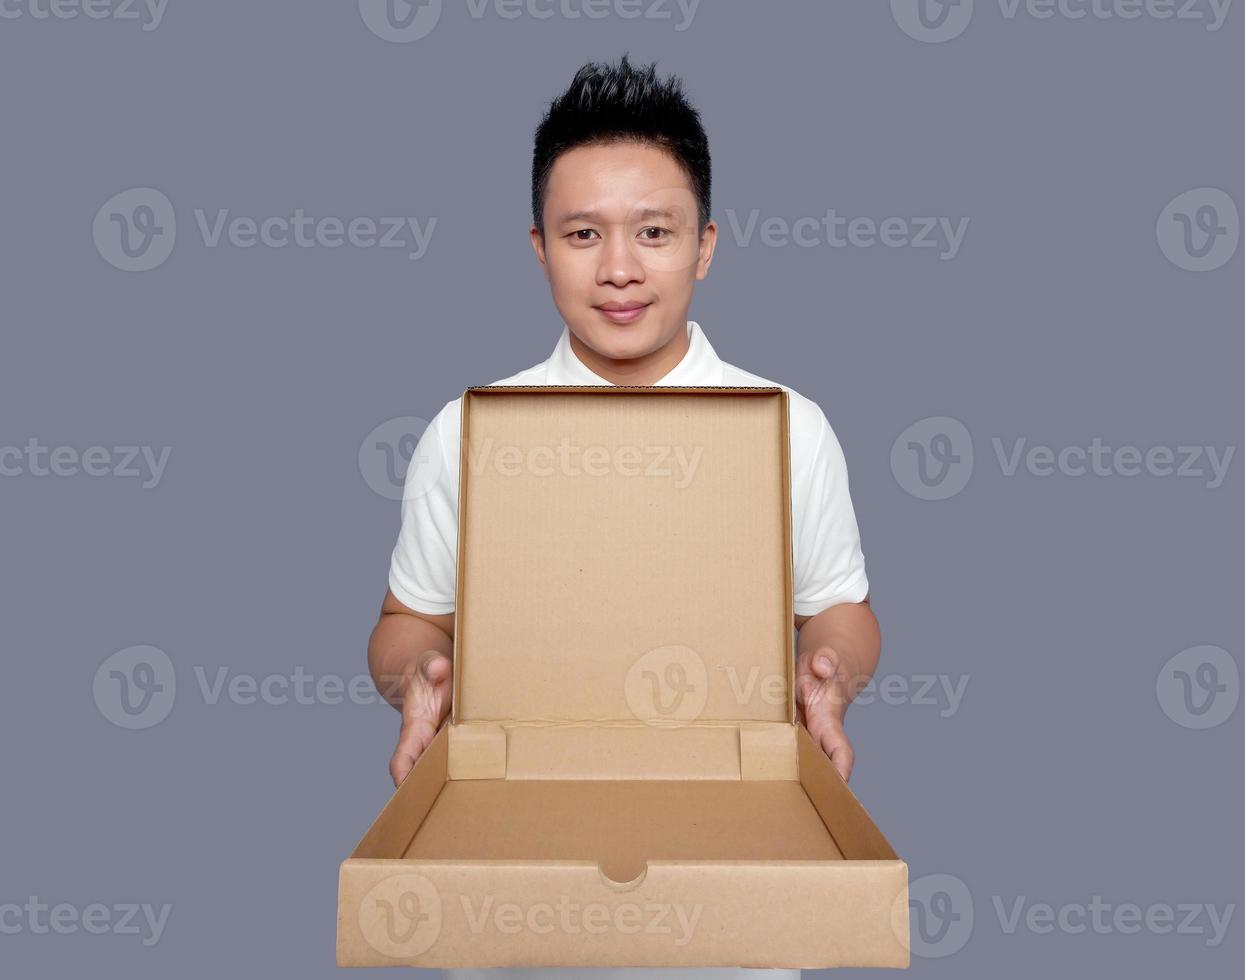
(827, 563)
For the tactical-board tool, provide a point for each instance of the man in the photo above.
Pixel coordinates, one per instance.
(621, 228)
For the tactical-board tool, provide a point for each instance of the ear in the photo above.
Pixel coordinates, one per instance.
(708, 241)
(538, 245)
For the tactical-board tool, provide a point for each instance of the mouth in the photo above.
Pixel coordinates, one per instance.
(622, 312)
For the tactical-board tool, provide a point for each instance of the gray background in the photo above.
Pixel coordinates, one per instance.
(263, 548)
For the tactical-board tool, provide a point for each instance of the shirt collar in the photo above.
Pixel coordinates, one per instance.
(700, 364)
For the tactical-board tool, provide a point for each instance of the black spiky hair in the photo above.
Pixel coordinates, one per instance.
(617, 103)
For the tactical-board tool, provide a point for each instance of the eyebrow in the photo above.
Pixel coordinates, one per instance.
(595, 216)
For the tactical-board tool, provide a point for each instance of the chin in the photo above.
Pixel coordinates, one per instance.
(621, 343)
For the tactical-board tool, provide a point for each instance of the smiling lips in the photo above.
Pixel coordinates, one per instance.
(622, 312)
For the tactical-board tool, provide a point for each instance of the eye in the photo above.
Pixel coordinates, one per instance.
(661, 233)
(579, 235)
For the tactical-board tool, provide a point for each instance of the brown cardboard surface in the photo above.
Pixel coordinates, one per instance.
(570, 573)
(794, 914)
(622, 825)
(857, 836)
(392, 830)
(621, 781)
(621, 751)
(562, 873)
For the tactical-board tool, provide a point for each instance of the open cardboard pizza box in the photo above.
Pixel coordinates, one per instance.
(622, 780)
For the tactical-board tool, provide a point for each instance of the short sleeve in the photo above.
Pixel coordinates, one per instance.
(827, 561)
(422, 571)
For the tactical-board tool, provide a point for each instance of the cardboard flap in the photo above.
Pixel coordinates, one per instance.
(624, 554)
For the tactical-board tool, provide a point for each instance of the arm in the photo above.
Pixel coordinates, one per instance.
(410, 656)
(837, 652)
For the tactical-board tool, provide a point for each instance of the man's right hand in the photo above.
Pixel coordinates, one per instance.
(410, 655)
(426, 693)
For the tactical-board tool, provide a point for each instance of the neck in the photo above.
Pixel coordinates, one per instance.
(642, 370)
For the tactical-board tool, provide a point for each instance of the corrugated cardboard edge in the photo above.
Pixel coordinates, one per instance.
(464, 444)
(789, 583)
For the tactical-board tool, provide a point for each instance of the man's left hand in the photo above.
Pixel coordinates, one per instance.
(821, 703)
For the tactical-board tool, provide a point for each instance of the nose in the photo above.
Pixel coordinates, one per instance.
(619, 264)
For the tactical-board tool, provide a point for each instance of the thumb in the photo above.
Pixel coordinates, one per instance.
(435, 666)
(413, 739)
(843, 757)
(401, 764)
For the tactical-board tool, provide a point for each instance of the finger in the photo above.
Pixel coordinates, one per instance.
(816, 725)
(412, 741)
(844, 761)
(417, 733)
(817, 697)
(805, 686)
(819, 661)
(400, 766)
(814, 669)
(841, 754)
(434, 666)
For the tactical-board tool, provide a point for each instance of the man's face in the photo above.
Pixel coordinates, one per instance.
(621, 249)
